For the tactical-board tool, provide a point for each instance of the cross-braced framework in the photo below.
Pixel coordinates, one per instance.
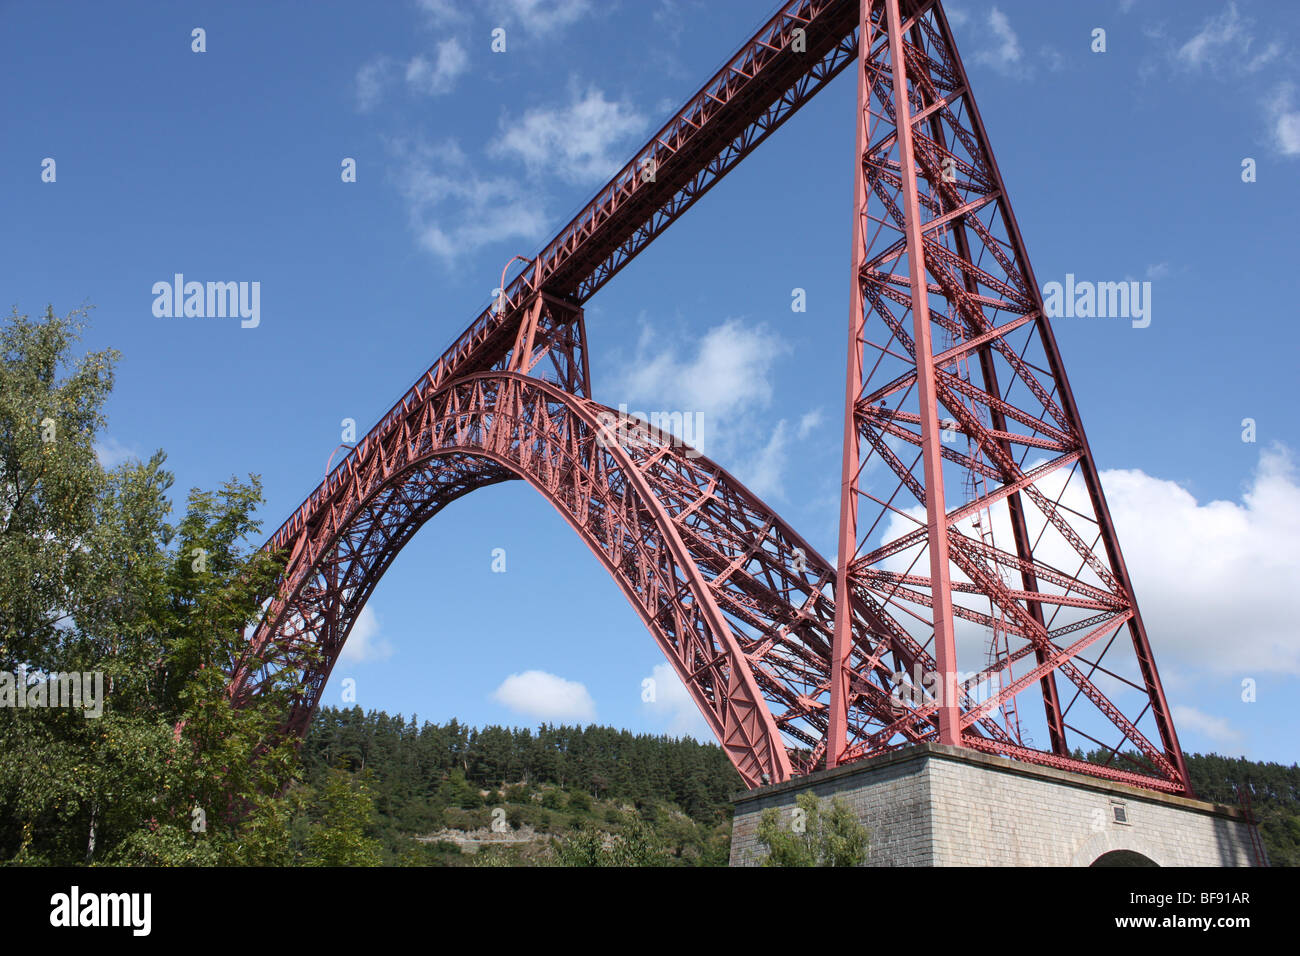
(974, 530)
(972, 510)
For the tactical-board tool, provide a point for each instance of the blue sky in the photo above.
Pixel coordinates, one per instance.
(225, 165)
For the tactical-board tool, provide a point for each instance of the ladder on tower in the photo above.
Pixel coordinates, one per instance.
(1252, 826)
(974, 487)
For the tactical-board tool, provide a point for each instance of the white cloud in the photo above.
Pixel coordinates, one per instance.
(455, 209)
(808, 422)
(546, 697)
(1214, 581)
(1216, 33)
(112, 452)
(539, 16)
(730, 370)
(1228, 44)
(1159, 270)
(438, 76)
(1225, 41)
(1207, 725)
(365, 643)
(579, 142)
(673, 708)
(763, 473)
(372, 78)
(1285, 121)
(726, 376)
(1006, 56)
(424, 76)
(997, 45)
(443, 11)
(1264, 57)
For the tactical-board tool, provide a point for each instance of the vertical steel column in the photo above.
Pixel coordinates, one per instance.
(945, 651)
(842, 640)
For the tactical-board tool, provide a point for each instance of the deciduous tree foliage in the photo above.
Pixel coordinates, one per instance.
(821, 834)
(340, 834)
(94, 578)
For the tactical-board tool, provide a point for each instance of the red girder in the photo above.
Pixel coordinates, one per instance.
(763, 85)
(938, 258)
(483, 429)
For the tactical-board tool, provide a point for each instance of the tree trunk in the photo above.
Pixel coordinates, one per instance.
(90, 843)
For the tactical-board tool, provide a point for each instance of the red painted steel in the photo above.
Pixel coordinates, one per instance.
(795, 663)
(994, 479)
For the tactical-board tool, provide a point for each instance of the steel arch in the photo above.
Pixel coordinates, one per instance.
(481, 430)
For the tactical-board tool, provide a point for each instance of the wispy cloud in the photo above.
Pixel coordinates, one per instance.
(1231, 46)
(366, 642)
(444, 11)
(372, 79)
(539, 16)
(536, 17)
(455, 208)
(1227, 42)
(727, 375)
(1006, 55)
(112, 452)
(1207, 725)
(764, 473)
(433, 75)
(725, 371)
(809, 422)
(1284, 120)
(458, 206)
(438, 75)
(672, 707)
(580, 141)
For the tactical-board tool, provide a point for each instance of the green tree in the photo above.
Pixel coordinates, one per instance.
(93, 580)
(456, 791)
(816, 835)
(634, 845)
(341, 834)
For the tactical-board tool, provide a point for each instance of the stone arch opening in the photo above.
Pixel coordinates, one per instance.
(1123, 858)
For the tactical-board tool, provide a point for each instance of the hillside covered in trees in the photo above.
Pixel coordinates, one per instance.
(667, 795)
(1274, 798)
(560, 781)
